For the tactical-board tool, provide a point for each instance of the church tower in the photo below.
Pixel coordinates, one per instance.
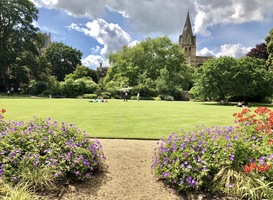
(187, 40)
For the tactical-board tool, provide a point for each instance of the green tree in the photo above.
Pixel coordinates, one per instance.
(214, 80)
(226, 77)
(17, 36)
(82, 71)
(146, 63)
(62, 58)
(252, 79)
(269, 43)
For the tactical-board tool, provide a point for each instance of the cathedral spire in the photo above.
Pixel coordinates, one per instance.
(187, 27)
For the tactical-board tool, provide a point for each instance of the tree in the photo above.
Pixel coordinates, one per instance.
(269, 43)
(146, 63)
(82, 71)
(226, 77)
(62, 58)
(17, 36)
(214, 80)
(252, 79)
(259, 51)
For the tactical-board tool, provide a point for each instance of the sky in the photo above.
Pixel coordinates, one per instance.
(100, 27)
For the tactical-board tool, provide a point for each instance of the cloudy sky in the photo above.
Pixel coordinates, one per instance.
(99, 27)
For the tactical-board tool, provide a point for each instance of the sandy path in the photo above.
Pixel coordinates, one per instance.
(129, 176)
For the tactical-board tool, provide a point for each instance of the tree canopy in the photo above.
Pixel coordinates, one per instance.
(62, 58)
(269, 43)
(157, 64)
(226, 77)
(18, 37)
(259, 51)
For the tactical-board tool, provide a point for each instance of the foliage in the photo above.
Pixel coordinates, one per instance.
(144, 90)
(36, 88)
(251, 79)
(214, 79)
(78, 87)
(226, 77)
(82, 71)
(42, 151)
(269, 43)
(90, 96)
(18, 192)
(157, 64)
(62, 58)
(259, 51)
(18, 38)
(221, 158)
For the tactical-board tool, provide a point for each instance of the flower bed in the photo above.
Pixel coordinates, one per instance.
(234, 160)
(43, 152)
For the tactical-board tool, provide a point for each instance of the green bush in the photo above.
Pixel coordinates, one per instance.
(106, 95)
(43, 151)
(73, 88)
(90, 96)
(38, 87)
(236, 161)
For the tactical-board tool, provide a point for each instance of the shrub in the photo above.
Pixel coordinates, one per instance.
(221, 158)
(105, 95)
(90, 96)
(42, 151)
(166, 97)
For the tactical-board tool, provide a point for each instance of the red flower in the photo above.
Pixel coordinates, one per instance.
(3, 110)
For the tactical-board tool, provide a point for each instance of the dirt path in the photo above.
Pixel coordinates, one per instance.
(129, 176)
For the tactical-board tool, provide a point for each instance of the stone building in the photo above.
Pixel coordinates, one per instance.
(101, 71)
(187, 41)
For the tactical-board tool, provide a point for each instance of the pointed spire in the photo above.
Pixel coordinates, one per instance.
(187, 27)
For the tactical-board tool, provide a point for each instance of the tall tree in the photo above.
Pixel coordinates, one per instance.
(259, 51)
(82, 71)
(214, 79)
(252, 79)
(17, 35)
(226, 77)
(63, 59)
(269, 43)
(146, 63)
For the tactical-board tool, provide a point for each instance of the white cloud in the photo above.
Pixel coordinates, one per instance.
(111, 36)
(133, 43)
(233, 50)
(93, 61)
(168, 17)
(95, 49)
(211, 13)
(161, 17)
(205, 52)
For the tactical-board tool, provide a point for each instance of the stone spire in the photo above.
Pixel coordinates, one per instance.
(187, 31)
(187, 40)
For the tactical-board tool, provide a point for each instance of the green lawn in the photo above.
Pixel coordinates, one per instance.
(118, 119)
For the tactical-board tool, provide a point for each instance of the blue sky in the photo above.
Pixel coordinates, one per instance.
(97, 28)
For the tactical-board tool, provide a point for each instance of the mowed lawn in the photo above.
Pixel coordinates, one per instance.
(119, 119)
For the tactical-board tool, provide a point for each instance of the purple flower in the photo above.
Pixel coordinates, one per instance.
(78, 173)
(231, 157)
(165, 174)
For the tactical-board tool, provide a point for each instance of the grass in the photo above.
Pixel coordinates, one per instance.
(118, 119)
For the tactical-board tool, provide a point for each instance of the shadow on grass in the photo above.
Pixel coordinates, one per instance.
(251, 104)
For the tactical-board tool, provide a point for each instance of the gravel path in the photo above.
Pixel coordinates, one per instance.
(129, 176)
